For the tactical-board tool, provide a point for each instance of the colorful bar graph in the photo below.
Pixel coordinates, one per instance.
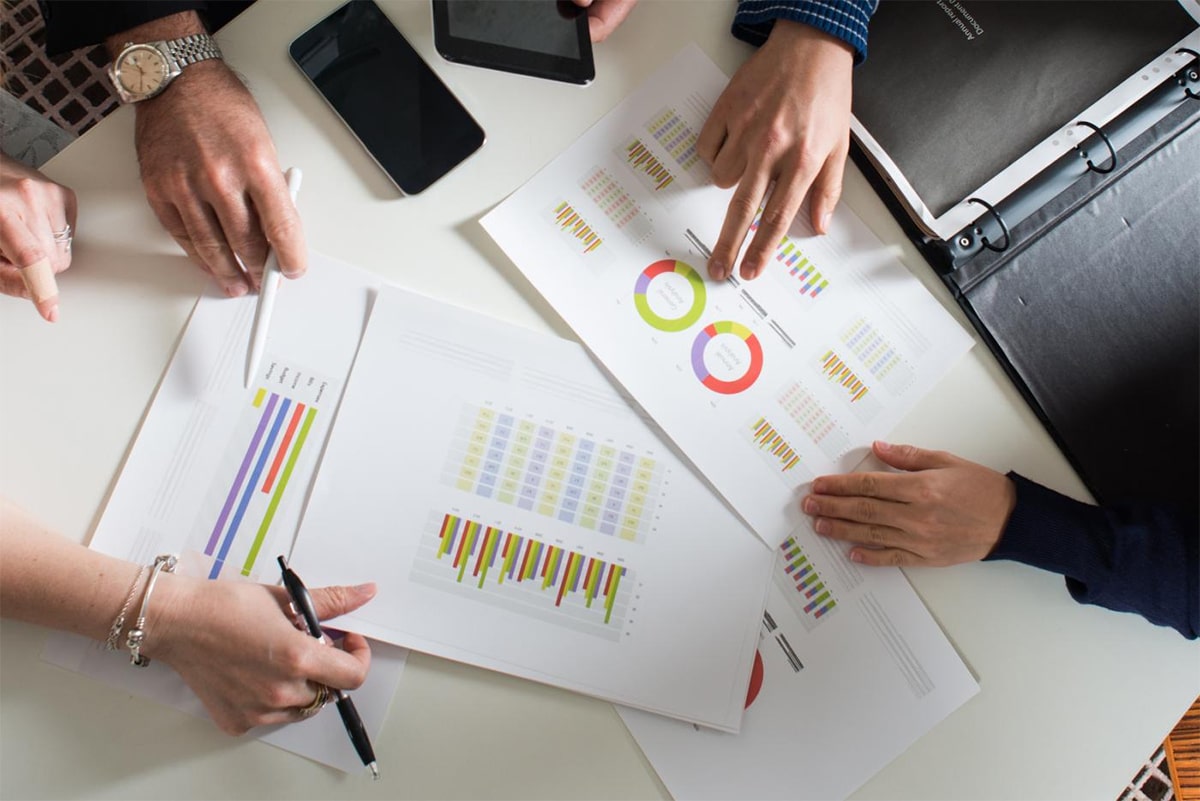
(798, 266)
(836, 371)
(558, 473)
(270, 457)
(881, 358)
(770, 441)
(570, 222)
(675, 136)
(646, 165)
(618, 205)
(801, 583)
(519, 572)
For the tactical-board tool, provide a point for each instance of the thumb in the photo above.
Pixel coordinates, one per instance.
(331, 602)
(909, 457)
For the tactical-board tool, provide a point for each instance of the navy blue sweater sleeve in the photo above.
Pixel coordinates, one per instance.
(74, 23)
(1131, 558)
(845, 19)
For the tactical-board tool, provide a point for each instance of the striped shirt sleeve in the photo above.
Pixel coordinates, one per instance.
(844, 19)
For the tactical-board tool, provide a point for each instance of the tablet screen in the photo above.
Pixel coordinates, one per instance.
(534, 25)
(543, 38)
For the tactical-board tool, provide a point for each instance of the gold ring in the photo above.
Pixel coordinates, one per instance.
(319, 701)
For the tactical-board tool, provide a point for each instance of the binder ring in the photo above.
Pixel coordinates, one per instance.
(1111, 151)
(1183, 79)
(983, 240)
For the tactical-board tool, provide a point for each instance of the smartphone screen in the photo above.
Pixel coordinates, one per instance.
(405, 117)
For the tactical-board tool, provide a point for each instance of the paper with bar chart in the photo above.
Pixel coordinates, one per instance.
(518, 514)
(219, 473)
(764, 384)
(851, 670)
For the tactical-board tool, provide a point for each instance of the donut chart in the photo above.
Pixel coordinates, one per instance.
(642, 302)
(747, 379)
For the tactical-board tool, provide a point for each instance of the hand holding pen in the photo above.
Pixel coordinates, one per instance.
(303, 604)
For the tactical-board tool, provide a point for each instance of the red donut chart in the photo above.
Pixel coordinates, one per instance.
(748, 378)
(756, 679)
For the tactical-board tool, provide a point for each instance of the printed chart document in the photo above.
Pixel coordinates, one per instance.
(764, 384)
(851, 670)
(518, 515)
(219, 474)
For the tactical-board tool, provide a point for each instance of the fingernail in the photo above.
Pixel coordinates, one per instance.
(825, 218)
(818, 485)
(821, 526)
(718, 269)
(855, 555)
(236, 290)
(809, 505)
(52, 314)
(367, 588)
(881, 445)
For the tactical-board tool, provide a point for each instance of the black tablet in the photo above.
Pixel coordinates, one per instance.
(542, 38)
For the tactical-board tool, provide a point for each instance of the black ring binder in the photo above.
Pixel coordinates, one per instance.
(983, 240)
(1184, 75)
(1112, 152)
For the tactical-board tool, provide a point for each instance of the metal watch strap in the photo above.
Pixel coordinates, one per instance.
(190, 49)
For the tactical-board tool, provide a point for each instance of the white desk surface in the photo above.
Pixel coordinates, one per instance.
(1073, 698)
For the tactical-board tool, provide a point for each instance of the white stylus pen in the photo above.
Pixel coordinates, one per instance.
(266, 293)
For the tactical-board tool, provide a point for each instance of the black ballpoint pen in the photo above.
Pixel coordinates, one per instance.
(353, 723)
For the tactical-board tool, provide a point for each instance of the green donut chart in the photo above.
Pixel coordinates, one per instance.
(642, 303)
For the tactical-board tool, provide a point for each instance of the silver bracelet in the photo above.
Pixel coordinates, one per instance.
(114, 634)
(162, 564)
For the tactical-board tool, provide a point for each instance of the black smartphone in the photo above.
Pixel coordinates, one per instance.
(542, 38)
(393, 102)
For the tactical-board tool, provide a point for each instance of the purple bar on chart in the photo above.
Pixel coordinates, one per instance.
(241, 475)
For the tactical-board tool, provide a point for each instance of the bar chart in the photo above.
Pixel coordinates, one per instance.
(772, 444)
(524, 574)
(798, 578)
(808, 280)
(646, 166)
(255, 476)
(571, 223)
(854, 391)
(675, 136)
(574, 477)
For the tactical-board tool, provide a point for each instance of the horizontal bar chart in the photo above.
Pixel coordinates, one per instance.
(800, 582)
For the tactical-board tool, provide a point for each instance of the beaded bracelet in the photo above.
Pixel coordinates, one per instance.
(162, 564)
(114, 634)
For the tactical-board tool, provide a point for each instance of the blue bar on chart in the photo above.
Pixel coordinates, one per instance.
(574, 478)
(800, 581)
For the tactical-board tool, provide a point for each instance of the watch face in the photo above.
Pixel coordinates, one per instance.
(142, 71)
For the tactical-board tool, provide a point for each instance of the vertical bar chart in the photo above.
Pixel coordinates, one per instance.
(809, 281)
(269, 441)
(569, 221)
(577, 478)
(800, 582)
(524, 574)
(772, 444)
(646, 166)
(675, 136)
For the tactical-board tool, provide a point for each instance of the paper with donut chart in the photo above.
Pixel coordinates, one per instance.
(517, 514)
(763, 384)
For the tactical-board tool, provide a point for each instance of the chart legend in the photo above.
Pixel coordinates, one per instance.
(524, 574)
(575, 478)
(801, 583)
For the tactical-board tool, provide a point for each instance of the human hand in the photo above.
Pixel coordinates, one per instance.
(605, 15)
(34, 213)
(783, 118)
(946, 510)
(212, 176)
(236, 646)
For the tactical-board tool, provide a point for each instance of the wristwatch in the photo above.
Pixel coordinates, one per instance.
(141, 71)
